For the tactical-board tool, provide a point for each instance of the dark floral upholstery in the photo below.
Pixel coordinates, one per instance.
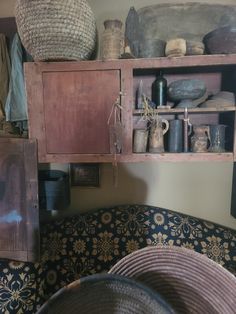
(91, 243)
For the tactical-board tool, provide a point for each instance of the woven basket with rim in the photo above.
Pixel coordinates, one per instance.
(105, 294)
(189, 281)
(56, 29)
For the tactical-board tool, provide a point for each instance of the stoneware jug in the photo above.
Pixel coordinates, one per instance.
(200, 139)
(156, 137)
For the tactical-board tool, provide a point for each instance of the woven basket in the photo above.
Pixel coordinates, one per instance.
(189, 281)
(56, 29)
(105, 294)
(112, 40)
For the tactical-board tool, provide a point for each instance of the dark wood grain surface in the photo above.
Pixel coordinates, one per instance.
(18, 200)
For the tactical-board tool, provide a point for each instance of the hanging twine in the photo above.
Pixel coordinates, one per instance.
(187, 129)
(115, 129)
(149, 114)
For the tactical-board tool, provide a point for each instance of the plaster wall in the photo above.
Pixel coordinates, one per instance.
(201, 189)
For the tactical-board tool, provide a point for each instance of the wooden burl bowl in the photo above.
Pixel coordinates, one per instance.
(221, 40)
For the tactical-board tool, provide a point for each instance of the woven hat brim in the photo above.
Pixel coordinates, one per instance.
(106, 294)
(189, 281)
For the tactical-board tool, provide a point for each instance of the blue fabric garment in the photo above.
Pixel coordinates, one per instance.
(16, 104)
(4, 74)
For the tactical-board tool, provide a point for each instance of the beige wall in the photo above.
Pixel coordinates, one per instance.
(199, 189)
(109, 9)
(7, 8)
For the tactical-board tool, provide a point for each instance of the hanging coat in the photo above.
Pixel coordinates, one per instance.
(4, 74)
(16, 105)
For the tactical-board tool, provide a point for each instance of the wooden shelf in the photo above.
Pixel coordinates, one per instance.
(138, 157)
(140, 63)
(185, 61)
(177, 157)
(181, 110)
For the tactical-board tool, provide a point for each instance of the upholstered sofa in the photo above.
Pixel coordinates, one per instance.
(93, 242)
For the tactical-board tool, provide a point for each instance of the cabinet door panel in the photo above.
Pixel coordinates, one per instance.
(77, 106)
(19, 223)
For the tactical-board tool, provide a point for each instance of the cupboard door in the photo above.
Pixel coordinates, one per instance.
(76, 110)
(19, 221)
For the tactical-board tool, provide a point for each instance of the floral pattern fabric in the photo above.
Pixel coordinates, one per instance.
(90, 243)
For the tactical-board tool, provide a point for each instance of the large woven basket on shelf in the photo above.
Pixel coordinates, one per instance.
(56, 29)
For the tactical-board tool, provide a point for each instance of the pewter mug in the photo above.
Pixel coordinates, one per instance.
(156, 140)
(217, 137)
(175, 140)
(140, 140)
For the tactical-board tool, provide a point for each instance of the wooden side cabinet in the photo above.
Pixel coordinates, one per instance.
(19, 221)
(69, 105)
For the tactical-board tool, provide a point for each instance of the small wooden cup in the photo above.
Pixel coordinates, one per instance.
(176, 47)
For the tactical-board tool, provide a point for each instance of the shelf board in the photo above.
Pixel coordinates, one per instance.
(142, 157)
(138, 63)
(181, 110)
(184, 61)
(177, 157)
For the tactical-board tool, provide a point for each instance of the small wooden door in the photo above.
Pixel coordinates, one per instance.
(19, 221)
(77, 105)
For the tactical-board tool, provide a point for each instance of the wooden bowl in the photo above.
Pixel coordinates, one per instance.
(151, 48)
(194, 47)
(221, 41)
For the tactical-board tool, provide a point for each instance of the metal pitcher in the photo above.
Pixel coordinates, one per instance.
(140, 141)
(156, 137)
(175, 143)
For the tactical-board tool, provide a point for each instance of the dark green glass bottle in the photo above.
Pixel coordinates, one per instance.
(159, 90)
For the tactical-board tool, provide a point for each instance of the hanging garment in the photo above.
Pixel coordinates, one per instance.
(16, 105)
(4, 74)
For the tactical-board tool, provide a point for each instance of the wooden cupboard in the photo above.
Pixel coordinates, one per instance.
(70, 104)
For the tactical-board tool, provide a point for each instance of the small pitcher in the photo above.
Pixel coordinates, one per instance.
(201, 138)
(156, 138)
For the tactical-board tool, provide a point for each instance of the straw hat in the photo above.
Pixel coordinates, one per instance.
(189, 281)
(106, 294)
